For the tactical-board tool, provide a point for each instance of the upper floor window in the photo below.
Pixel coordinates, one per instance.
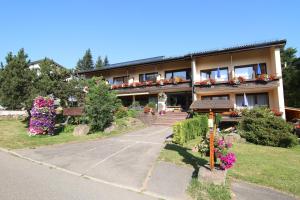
(120, 80)
(148, 77)
(250, 71)
(215, 97)
(222, 75)
(184, 74)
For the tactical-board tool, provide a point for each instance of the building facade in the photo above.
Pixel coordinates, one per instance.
(232, 74)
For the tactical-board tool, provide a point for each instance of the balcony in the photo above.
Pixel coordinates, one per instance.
(153, 87)
(238, 84)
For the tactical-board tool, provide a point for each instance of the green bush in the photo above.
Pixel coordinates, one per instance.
(121, 113)
(151, 105)
(261, 126)
(189, 129)
(69, 128)
(100, 104)
(132, 113)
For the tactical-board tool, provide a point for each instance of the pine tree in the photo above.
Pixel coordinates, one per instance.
(86, 62)
(16, 82)
(99, 63)
(106, 62)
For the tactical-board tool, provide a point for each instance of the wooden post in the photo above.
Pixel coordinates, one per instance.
(211, 141)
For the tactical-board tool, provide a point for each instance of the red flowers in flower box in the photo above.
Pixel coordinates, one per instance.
(236, 80)
(235, 114)
(207, 82)
(148, 83)
(263, 78)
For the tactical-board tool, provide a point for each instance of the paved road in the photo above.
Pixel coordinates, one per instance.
(247, 191)
(122, 163)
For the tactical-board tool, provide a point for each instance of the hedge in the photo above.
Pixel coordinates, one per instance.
(189, 129)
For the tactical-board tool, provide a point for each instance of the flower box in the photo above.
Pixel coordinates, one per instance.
(206, 83)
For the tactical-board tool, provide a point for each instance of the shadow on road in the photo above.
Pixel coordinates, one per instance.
(188, 158)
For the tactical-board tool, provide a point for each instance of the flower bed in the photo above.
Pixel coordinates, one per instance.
(42, 119)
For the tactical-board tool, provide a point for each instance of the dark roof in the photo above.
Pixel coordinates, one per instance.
(160, 59)
(211, 104)
(41, 60)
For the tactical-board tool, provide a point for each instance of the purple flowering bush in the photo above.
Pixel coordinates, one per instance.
(227, 159)
(42, 119)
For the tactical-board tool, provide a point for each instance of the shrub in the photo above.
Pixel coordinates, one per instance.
(135, 105)
(132, 113)
(190, 128)
(121, 113)
(261, 126)
(100, 104)
(152, 105)
(69, 128)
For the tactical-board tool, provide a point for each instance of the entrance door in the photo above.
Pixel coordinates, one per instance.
(182, 99)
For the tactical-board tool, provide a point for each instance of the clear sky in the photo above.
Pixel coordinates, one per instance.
(135, 29)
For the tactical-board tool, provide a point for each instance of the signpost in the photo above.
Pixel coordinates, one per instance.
(211, 139)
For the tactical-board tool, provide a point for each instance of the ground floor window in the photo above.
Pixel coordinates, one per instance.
(258, 99)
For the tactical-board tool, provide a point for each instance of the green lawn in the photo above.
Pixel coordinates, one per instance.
(270, 166)
(13, 135)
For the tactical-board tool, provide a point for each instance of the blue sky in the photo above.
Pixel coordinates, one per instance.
(135, 29)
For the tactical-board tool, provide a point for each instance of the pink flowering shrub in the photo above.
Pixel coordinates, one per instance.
(42, 119)
(227, 159)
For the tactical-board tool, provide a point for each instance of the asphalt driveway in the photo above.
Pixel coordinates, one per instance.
(125, 161)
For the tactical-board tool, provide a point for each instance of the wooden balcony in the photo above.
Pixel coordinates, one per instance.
(152, 88)
(248, 85)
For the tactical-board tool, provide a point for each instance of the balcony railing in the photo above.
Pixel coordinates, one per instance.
(153, 87)
(238, 83)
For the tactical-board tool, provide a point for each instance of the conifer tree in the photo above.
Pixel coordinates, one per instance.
(86, 62)
(16, 82)
(99, 63)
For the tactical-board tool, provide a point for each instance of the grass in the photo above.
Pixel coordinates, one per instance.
(182, 155)
(274, 167)
(270, 166)
(200, 191)
(13, 135)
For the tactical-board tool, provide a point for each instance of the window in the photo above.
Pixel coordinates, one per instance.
(120, 80)
(250, 71)
(213, 74)
(260, 99)
(148, 77)
(184, 74)
(215, 97)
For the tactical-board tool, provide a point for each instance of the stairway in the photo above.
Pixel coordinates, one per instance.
(170, 118)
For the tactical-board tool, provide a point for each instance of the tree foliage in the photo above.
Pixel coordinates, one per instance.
(291, 77)
(86, 62)
(99, 63)
(57, 81)
(106, 62)
(100, 104)
(17, 82)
